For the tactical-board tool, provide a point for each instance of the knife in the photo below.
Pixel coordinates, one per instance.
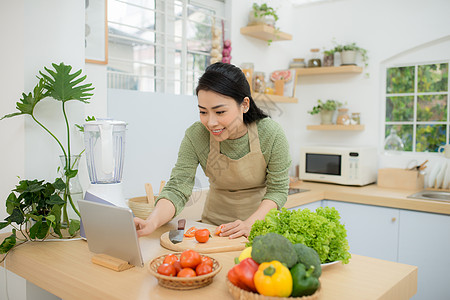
(176, 236)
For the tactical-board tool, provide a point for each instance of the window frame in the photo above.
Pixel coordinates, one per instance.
(415, 94)
(166, 76)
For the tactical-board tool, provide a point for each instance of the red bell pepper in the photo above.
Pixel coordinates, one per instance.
(241, 275)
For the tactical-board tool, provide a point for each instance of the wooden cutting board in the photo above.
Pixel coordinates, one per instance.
(215, 244)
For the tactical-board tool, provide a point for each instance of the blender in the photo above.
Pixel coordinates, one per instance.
(105, 150)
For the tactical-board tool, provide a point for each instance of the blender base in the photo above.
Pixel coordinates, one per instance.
(111, 192)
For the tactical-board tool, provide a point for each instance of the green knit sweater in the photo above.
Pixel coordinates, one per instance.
(194, 150)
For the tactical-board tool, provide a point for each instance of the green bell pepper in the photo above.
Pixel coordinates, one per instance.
(303, 283)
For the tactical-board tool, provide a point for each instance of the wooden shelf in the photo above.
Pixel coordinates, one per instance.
(328, 70)
(336, 127)
(265, 33)
(273, 98)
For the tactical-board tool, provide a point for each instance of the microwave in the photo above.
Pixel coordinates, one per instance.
(340, 165)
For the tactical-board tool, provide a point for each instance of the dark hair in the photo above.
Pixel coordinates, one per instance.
(229, 80)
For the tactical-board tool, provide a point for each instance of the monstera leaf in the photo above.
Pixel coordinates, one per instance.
(63, 86)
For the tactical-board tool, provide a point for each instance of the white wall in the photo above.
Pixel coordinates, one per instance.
(385, 28)
(34, 36)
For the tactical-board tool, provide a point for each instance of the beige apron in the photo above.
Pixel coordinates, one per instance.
(236, 187)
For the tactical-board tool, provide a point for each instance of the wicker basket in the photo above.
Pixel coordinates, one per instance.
(140, 207)
(183, 283)
(240, 294)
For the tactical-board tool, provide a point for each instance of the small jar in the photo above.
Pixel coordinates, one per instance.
(356, 118)
(297, 63)
(247, 69)
(343, 118)
(314, 60)
(269, 89)
(259, 84)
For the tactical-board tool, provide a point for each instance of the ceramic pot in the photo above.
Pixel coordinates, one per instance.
(326, 117)
(348, 57)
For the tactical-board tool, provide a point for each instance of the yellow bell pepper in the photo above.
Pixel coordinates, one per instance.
(273, 279)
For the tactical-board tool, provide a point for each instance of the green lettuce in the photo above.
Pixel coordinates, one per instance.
(320, 230)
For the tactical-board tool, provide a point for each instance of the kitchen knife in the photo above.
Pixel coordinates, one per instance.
(176, 236)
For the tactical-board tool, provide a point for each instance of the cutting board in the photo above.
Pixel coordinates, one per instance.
(215, 244)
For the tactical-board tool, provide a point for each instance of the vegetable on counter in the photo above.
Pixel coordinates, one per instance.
(304, 283)
(246, 253)
(273, 279)
(190, 264)
(273, 246)
(309, 258)
(320, 230)
(202, 235)
(242, 274)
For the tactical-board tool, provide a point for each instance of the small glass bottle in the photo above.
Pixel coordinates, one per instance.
(314, 60)
(297, 63)
(259, 84)
(356, 118)
(393, 142)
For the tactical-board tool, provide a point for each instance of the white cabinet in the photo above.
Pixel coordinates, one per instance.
(424, 241)
(311, 206)
(371, 230)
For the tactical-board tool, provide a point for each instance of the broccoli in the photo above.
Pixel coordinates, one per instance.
(274, 246)
(308, 257)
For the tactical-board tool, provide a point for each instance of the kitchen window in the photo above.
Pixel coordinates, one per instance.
(417, 102)
(160, 45)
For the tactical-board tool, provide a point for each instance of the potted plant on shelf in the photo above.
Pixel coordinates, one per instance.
(262, 14)
(349, 53)
(60, 85)
(326, 110)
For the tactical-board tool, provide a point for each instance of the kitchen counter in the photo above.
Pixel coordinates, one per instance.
(370, 195)
(65, 270)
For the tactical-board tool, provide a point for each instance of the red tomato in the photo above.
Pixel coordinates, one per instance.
(202, 235)
(170, 259)
(177, 266)
(203, 269)
(219, 229)
(190, 259)
(167, 269)
(207, 260)
(186, 272)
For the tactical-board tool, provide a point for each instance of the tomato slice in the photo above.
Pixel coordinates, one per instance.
(218, 230)
(190, 232)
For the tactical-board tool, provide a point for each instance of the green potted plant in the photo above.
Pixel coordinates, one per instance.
(60, 85)
(34, 213)
(348, 54)
(262, 14)
(326, 110)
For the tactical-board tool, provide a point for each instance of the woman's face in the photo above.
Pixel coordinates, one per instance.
(221, 115)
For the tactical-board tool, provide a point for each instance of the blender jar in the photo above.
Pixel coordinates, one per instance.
(105, 150)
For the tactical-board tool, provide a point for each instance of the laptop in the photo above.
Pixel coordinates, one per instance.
(110, 230)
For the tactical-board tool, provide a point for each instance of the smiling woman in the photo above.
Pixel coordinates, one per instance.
(243, 152)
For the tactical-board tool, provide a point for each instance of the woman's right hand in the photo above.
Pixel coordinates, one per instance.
(143, 227)
(163, 212)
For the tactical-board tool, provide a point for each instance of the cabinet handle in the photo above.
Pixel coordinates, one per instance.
(394, 219)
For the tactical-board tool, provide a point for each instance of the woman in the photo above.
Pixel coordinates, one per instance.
(243, 152)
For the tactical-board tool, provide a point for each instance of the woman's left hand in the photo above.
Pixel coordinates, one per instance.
(236, 229)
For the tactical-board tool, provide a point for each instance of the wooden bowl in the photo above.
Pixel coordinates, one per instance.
(140, 207)
(240, 294)
(183, 283)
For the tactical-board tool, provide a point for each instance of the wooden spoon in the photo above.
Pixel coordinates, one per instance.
(149, 192)
(161, 186)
